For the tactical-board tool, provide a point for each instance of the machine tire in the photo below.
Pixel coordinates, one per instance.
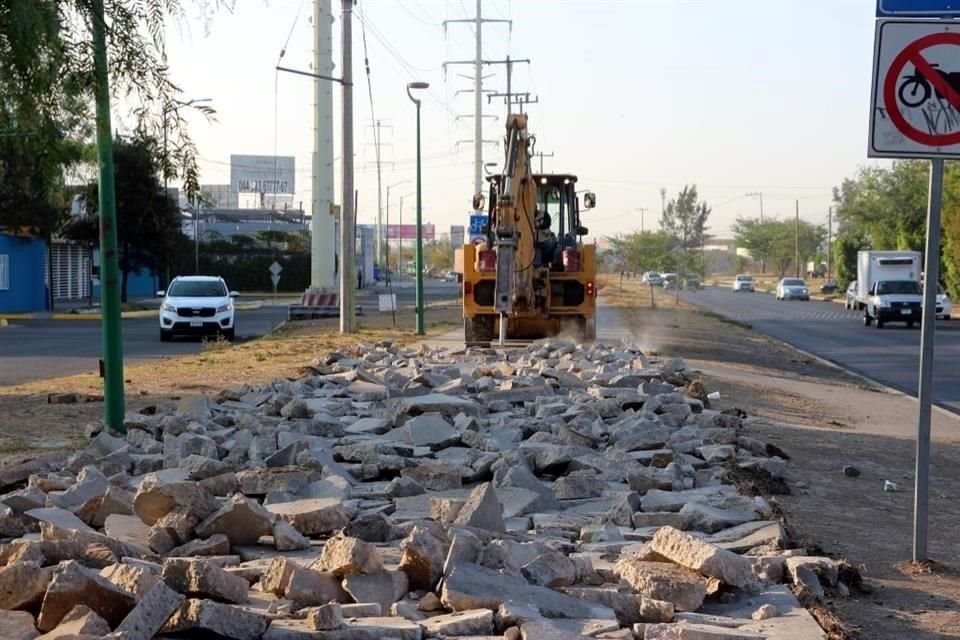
(165, 335)
(230, 334)
(478, 330)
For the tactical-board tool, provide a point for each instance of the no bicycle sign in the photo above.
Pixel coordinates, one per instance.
(915, 104)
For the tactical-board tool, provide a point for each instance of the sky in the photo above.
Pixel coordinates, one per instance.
(734, 96)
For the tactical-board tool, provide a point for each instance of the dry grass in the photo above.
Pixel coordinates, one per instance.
(634, 294)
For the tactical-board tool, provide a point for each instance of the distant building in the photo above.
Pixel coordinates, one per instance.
(219, 196)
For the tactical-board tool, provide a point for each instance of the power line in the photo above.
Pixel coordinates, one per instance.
(415, 16)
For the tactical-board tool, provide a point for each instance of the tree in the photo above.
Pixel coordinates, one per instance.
(438, 254)
(46, 72)
(148, 220)
(777, 241)
(647, 251)
(685, 219)
(845, 248)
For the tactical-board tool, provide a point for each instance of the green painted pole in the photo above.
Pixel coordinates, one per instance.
(109, 268)
(420, 330)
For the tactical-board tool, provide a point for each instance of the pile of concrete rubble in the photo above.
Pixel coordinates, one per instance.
(554, 492)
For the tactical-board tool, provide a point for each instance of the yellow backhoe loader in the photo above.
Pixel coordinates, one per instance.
(531, 275)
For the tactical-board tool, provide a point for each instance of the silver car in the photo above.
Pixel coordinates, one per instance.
(851, 300)
(793, 289)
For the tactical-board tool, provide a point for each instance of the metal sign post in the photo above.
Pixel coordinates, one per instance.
(914, 109)
(275, 269)
(931, 278)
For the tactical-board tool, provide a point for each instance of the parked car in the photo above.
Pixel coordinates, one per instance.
(451, 277)
(851, 300)
(944, 306)
(793, 289)
(829, 287)
(652, 278)
(692, 284)
(669, 280)
(197, 305)
(744, 282)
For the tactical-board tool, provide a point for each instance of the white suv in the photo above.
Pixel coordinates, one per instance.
(197, 305)
(744, 282)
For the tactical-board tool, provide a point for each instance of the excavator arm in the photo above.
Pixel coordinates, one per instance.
(513, 227)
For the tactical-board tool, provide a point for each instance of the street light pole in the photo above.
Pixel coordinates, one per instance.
(386, 233)
(113, 394)
(420, 330)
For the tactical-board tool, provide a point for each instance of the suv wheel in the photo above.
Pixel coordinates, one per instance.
(165, 335)
(230, 334)
(866, 318)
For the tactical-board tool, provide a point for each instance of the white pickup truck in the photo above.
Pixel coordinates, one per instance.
(889, 289)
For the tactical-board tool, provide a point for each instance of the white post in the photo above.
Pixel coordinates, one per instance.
(478, 108)
(348, 247)
(321, 226)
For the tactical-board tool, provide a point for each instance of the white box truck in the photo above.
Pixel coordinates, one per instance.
(888, 287)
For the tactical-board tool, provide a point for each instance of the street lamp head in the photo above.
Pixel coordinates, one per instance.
(416, 85)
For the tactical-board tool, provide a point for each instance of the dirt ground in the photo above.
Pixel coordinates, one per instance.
(29, 424)
(825, 419)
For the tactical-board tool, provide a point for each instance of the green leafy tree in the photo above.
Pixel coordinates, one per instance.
(647, 251)
(438, 254)
(148, 220)
(845, 248)
(777, 241)
(46, 100)
(685, 219)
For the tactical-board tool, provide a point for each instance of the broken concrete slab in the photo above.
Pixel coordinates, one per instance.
(224, 620)
(75, 585)
(686, 589)
(241, 520)
(383, 588)
(199, 578)
(471, 586)
(343, 555)
(316, 516)
(703, 557)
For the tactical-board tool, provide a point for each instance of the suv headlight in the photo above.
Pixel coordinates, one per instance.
(166, 306)
(225, 307)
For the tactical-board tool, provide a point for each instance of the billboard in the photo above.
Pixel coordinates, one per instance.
(409, 232)
(262, 174)
(456, 235)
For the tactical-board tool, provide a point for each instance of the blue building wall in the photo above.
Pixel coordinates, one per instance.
(140, 284)
(27, 291)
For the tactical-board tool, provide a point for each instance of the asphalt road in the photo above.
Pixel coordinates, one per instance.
(890, 355)
(37, 349)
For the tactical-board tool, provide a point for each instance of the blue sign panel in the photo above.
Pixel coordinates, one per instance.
(918, 8)
(477, 223)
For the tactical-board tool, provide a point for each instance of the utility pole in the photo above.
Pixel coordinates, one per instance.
(347, 232)
(322, 242)
(542, 155)
(757, 194)
(642, 211)
(829, 243)
(378, 251)
(478, 62)
(796, 240)
(113, 394)
(663, 201)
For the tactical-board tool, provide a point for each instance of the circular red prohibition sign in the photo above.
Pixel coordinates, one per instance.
(912, 54)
